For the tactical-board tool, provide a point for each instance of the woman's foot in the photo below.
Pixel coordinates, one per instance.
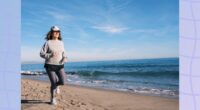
(53, 101)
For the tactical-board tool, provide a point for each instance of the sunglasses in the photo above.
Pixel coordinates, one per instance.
(56, 31)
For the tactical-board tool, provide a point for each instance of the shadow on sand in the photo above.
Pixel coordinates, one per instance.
(34, 102)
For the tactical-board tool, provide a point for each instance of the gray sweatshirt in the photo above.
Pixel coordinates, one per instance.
(49, 48)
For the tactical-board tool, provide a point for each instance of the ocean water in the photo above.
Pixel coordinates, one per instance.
(159, 77)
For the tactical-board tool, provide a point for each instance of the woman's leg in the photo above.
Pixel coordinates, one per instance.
(61, 76)
(53, 80)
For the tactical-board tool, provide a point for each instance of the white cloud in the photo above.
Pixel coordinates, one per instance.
(110, 28)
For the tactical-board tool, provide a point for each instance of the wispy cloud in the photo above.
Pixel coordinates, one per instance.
(144, 30)
(59, 15)
(118, 5)
(110, 28)
(153, 32)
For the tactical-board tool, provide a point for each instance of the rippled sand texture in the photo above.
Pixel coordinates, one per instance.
(36, 96)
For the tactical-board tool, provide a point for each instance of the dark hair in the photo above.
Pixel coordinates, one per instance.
(50, 37)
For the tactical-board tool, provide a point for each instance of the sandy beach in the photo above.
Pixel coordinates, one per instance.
(35, 95)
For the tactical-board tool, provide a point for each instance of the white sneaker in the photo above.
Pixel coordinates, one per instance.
(53, 101)
(58, 90)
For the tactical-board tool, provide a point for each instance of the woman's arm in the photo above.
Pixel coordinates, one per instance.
(64, 56)
(43, 52)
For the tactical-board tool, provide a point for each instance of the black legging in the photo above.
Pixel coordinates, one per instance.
(56, 78)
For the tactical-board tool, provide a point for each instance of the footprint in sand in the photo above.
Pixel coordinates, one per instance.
(83, 103)
(72, 102)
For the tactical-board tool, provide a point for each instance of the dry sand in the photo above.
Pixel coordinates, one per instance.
(36, 96)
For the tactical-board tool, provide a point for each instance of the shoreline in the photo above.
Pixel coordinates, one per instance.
(106, 89)
(75, 97)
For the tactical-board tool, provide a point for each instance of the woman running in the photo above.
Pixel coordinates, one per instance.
(54, 54)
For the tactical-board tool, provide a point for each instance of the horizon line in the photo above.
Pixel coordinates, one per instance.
(36, 62)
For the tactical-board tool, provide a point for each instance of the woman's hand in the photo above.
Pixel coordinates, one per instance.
(65, 59)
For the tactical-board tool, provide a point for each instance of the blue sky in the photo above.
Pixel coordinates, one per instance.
(102, 29)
